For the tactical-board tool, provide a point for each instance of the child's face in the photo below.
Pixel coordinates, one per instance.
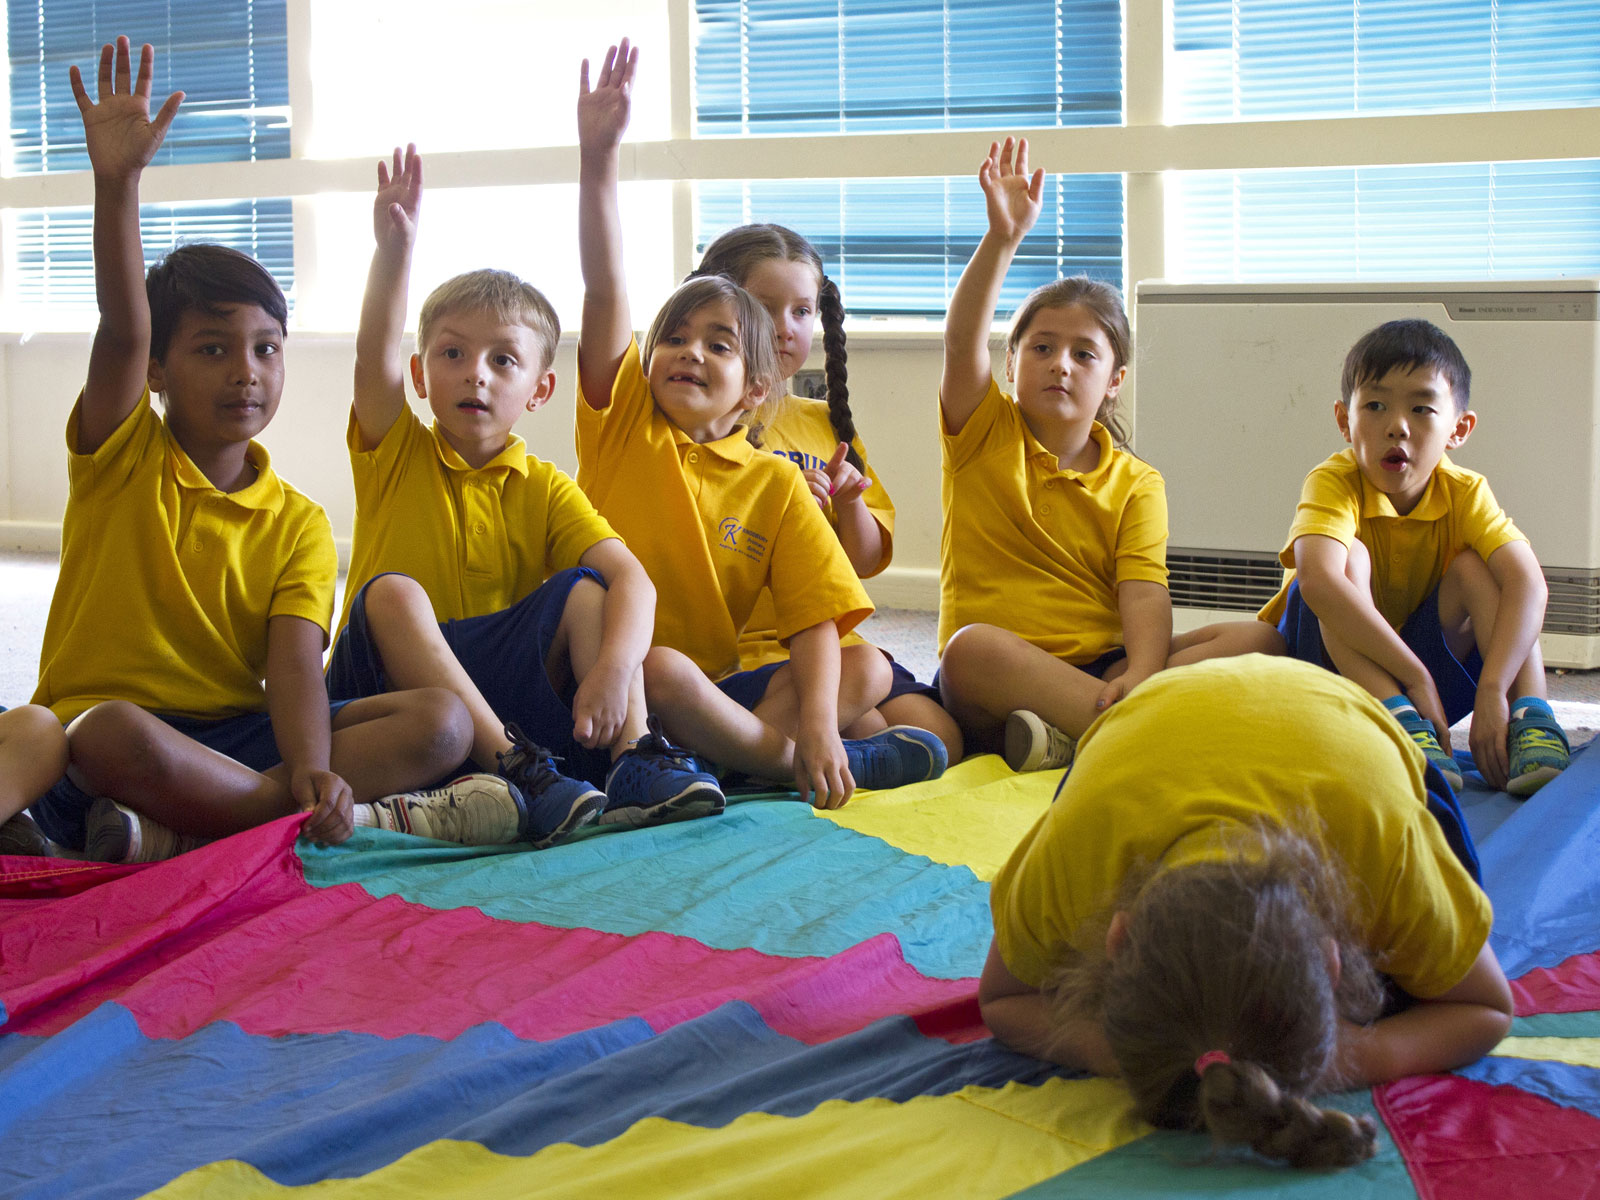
(697, 374)
(222, 376)
(788, 291)
(478, 375)
(1400, 426)
(1063, 367)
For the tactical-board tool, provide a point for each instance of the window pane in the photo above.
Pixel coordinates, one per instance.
(1469, 221)
(897, 246)
(1257, 59)
(229, 57)
(473, 74)
(793, 66)
(53, 249)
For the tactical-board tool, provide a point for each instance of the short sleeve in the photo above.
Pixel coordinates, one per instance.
(129, 447)
(305, 585)
(811, 579)
(1142, 532)
(603, 433)
(572, 525)
(1485, 527)
(1328, 507)
(987, 422)
(1432, 922)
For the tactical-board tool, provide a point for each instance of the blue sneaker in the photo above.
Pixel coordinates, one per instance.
(654, 782)
(555, 807)
(1421, 731)
(895, 756)
(1539, 752)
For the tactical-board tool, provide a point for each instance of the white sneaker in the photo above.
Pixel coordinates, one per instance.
(117, 834)
(474, 810)
(1034, 745)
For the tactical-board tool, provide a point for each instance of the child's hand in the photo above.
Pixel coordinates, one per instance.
(328, 799)
(399, 199)
(1013, 197)
(1425, 696)
(1491, 723)
(120, 136)
(603, 113)
(838, 482)
(821, 771)
(599, 706)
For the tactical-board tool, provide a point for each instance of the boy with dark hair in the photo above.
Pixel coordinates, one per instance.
(481, 568)
(1409, 578)
(191, 574)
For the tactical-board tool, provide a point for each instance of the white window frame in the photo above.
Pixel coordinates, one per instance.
(1144, 150)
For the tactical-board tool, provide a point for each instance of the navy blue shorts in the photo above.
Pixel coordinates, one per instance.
(504, 655)
(1455, 681)
(247, 738)
(748, 687)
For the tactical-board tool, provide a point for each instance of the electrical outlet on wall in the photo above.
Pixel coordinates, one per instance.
(810, 384)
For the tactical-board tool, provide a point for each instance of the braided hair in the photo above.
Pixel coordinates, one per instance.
(739, 251)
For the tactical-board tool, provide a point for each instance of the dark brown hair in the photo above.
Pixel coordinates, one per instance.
(1102, 300)
(1407, 345)
(758, 346)
(1233, 955)
(740, 251)
(207, 277)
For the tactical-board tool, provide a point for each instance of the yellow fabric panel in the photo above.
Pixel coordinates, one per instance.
(1409, 553)
(1040, 550)
(1580, 1052)
(973, 1143)
(937, 819)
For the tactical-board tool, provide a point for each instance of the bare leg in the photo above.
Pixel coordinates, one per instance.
(1351, 663)
(696, 714)
(382, 744)
(1469, 600)
(1225, 640)
(33, 754)
(988, 672)
(863, 681)
(923, 712)
(577, 648)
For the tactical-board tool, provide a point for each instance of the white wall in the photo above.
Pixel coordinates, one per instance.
(894, 382)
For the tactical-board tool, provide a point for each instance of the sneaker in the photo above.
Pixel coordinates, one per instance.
(895, 756)
(1539, 752)
(23, 837)
(1421, 731)
(654, 782)
(1032, 744)
(557, 807)
(120, 835)
(474, 810)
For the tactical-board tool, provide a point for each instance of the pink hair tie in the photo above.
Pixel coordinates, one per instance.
(1210, 1058)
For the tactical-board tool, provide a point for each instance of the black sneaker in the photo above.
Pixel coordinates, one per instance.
(654, 782)
(557, 806)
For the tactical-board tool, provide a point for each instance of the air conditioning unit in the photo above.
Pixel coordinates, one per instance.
(1236, 386)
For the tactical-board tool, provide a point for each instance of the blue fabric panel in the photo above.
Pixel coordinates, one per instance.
(1561, 1083)
(766, 875)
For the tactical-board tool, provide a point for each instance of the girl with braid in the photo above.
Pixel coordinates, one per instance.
(784, 272)
(1239, 849)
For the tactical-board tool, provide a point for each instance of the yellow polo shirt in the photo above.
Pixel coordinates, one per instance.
(713, 523)
(800, 431)
(1039, 550)
(1410, 553)
(476, 539)
(167, 584)
(1218, 747)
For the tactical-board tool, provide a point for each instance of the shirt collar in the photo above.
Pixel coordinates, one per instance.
(1433, 506)
(1097, 433)
(514, 457)
(265, 493)
(734, 448)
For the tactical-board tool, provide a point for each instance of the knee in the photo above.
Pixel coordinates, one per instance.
(443, 727)
(1258, 637)
(971, 651)
(868, 667)
(113, 742)
(587, 595)
(1468, 572)
(1358, 564)
(393, 596)
(669, 677)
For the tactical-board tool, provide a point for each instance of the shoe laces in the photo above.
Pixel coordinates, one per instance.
(527, 765)
(1536, 737)
(656, 744)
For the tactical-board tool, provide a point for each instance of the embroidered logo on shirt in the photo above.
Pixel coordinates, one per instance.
(740, 540)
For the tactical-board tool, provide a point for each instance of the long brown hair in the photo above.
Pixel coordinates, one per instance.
(739, 251)
(1105, 303)
(1233, 955)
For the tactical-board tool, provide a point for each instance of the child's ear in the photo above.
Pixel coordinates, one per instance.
(1464, 426)
(1115, 385)
(754, 396)
(416, 377)
(155, 375)
(1330, 955)
(542, 394)
(1011, 367)
(1117, 933)
(1341, 414)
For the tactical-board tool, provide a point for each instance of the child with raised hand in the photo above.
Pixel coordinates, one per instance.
(184, 641)
(1409, 578)
(783, 271)
(485, 570)
(1237, 847)
(33, 754)
(663, 453)
(1053, 574)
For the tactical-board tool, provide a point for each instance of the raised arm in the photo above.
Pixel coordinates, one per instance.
(602, 119)
(122, 139)
(1013, 199)
(380, 386)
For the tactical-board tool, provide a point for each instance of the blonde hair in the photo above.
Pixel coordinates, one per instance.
(758, 345)
(1105, 303)
(501, 293)
(1233, 956)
